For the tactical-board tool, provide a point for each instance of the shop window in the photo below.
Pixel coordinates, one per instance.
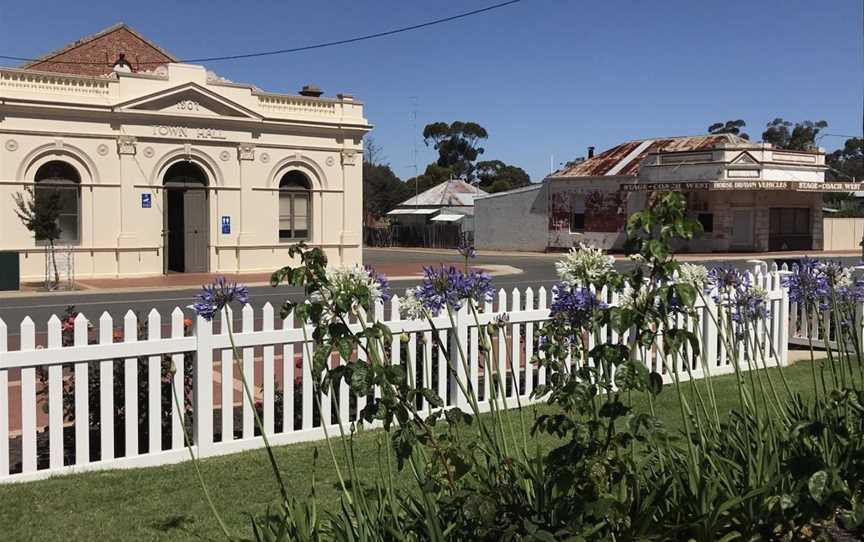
(707, 221)
(577, 222)
(295, 206)
(789, 229)
(60, 180)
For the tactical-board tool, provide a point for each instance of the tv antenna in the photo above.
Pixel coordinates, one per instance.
(414, 102)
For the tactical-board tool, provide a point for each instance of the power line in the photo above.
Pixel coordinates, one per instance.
(303, 48)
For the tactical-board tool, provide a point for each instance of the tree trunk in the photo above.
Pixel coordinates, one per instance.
(54, 265)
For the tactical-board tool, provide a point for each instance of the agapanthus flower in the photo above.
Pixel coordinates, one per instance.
(751, 305)
(636, 300)
(447, 287)
(215, 297)
(575, 304)
(694, 275)
(585, 265)
(836, 274)
(725, 278)
(807, 283)
(466, 249)
(410, 306)
(383, 284)
(345, 281)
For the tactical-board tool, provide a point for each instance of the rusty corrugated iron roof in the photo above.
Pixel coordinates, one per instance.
(625, 158)
(453, 193)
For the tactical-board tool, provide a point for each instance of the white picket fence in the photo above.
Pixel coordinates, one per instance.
(57, 423)
(809, 325)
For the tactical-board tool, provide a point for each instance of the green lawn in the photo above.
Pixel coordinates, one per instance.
(166, 503)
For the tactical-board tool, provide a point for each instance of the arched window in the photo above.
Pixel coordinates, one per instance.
(62, 179)
(294, 207)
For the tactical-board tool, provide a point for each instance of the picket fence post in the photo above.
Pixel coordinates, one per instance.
(858, 275)
(783, 340)
(202, 412)
(458, 340)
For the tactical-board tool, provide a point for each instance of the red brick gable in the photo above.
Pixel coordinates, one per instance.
(97, 53)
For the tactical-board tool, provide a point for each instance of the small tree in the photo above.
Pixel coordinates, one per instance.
(800, 136)
(729, 127)
(39, 211)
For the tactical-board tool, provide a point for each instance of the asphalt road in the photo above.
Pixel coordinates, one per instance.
(538, 270)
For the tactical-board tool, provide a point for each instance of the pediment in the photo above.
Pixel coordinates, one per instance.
(745, 158)
(189, 100)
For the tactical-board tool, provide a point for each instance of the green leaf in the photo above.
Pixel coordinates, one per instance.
(818, 485)
(346, 348)
(432, 397)
(614, 354)
(360, 379)
(685, 293)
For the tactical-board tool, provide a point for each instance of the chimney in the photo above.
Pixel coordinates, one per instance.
(590, 152)
(311, 90)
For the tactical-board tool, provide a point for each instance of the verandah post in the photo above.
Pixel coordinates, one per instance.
(202, 411)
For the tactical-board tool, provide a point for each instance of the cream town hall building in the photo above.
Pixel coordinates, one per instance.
(164, 167)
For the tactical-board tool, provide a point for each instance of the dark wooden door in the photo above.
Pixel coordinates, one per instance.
(195, 231)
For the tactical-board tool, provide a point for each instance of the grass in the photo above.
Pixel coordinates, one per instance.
(166, 503)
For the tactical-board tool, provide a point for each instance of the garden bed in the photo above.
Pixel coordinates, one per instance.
(166, 503)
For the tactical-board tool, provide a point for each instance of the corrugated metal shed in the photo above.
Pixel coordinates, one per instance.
(453, 193)
(624, 159)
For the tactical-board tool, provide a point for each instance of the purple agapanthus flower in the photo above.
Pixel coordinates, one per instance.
(447, 287)
(750, 305)
(808, 282)
(383, 283)
(725, 278)
(734, 291)
(575, 304)
(466, 249)
(215, 297)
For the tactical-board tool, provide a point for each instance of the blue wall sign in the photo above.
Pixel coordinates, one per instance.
(226, 225)
(146, 201)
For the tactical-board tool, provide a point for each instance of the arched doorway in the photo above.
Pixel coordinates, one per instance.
(186, 219)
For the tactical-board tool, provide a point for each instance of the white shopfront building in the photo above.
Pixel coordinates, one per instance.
(177, 170)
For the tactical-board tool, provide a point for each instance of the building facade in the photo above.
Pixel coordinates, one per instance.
(440, 217)
(165, 167)
(747, 196)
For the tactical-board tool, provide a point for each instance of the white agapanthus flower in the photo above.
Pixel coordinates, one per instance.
(843, 279)
(343, 281)
(348, 279)
(410, 307)
(694, 275)
(633, 299)
(584, 264)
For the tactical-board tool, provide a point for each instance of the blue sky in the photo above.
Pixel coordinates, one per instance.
(545, 77)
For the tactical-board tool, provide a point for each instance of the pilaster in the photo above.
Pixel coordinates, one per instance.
(246, 159)
(126, 150)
